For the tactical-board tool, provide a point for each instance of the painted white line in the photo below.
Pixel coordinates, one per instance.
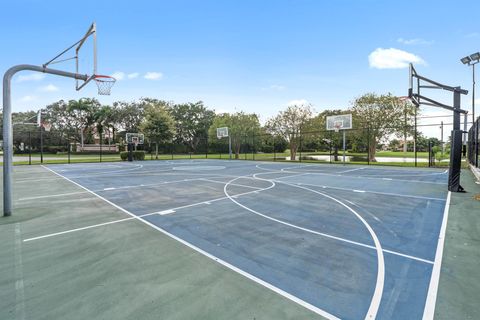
(108, 189)
(377, 295)
(218, 260)
(359, 177)
(388, 179)
(378, 292)
(165, 212)
(374, 192)
(407, 256)
(51, 196)
(361, 191)
(429, 311)
(351, 170)
(77, 229)
(233, 184)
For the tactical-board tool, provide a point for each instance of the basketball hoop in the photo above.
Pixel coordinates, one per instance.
(47, 126)
(104, 84)
(337, 128)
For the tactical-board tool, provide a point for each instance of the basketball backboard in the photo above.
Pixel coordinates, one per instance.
(414, 86)
(339, 122)
(135, 138)
(222, 132)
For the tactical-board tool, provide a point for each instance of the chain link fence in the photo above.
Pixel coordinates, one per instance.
(473, 139)
(361, 147)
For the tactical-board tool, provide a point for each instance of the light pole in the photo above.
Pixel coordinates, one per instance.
(472, 60)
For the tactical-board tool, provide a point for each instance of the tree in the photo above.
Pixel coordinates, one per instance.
(192, 121)
(240, 126)
(82, 113)
(129, 115)
(290, 124)
(105, 119)
(381, 115)
(157, 125)
(394, 144)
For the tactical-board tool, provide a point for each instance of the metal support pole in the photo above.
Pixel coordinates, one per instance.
(7, 127)
(475, 130)
(29, 147)
(415, 138)
(230, 147)
(41, 144)
(344, 147)
(441, 138)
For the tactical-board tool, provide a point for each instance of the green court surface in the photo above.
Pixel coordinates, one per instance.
(132, 271)
(119, 271)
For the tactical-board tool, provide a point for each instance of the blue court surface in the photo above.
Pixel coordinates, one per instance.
(349, 242)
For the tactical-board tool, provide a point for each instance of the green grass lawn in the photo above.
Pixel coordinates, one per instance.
(280, 156)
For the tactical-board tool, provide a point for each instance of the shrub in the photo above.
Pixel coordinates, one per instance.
(139, 155)
(124, 155)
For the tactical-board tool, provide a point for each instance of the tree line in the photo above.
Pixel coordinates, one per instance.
(375, 118)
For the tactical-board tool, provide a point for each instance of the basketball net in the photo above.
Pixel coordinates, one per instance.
(47, 126)
(104, 84)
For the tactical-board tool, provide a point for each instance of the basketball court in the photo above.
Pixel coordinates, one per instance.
(299, 240)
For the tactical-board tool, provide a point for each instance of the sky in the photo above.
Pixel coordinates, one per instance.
(252, 56)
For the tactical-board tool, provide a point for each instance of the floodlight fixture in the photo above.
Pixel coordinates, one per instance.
(466, 60)
(475, 56)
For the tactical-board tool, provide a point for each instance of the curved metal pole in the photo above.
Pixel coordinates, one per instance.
(7, 126)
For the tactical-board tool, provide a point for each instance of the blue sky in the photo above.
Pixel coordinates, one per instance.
(255, 56)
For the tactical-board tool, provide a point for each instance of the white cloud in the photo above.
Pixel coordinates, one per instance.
(298, 102)
(31, 77)
(133, 75)
(49, 88)
(416, 41)
(118, 75)
(392, 59)
(153, 75)
(274, 87)
(28, 99)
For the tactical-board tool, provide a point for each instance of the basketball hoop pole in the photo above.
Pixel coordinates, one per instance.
(7, 125)
(344, 147)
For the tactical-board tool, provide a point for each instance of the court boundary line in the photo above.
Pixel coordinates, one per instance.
(354, 177)
(247, 275)
(209, 201)
(378, 292)
(430, 302)
(369, 191)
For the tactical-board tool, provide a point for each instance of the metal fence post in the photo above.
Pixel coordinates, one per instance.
(300, 158)
(29, 147)
(368, 145)
(253, 146)
(274, 150)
